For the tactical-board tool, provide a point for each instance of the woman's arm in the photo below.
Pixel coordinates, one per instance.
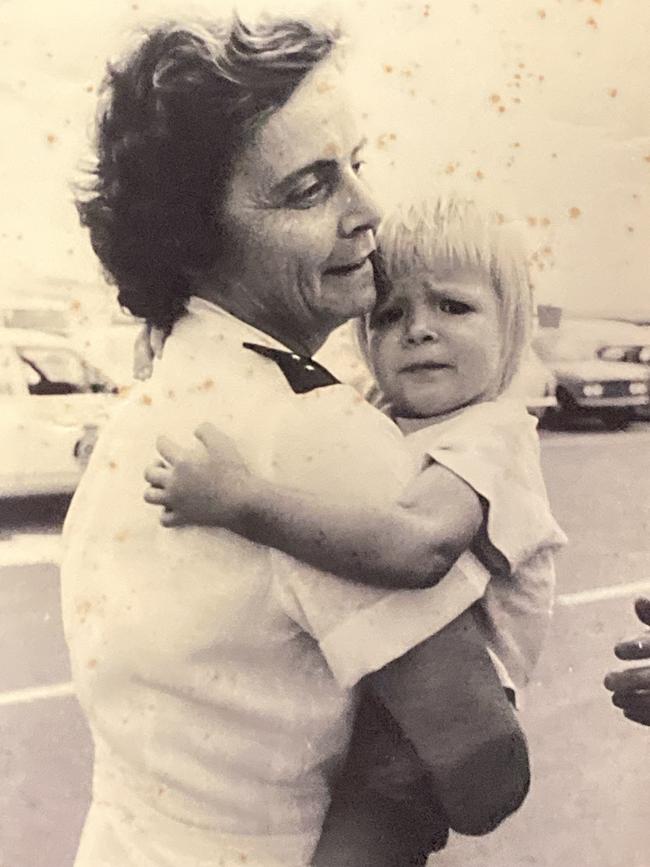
(404, 545)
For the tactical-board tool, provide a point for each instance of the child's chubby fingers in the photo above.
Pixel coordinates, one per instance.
(214, 440)
(156, 496)
(170, 450)
(158, 475)
(170, 518)
(223, 454)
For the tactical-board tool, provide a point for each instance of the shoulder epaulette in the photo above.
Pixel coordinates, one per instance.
(301, 372)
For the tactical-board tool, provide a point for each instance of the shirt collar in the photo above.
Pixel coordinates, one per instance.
(216, 321)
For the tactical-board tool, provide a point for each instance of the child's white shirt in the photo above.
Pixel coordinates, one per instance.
(494, 447)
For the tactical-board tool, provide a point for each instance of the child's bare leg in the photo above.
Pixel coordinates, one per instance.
(384, 812)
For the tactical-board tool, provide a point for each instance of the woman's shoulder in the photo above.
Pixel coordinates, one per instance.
(333, 440)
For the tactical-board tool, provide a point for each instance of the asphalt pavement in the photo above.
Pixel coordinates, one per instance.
(589, 805)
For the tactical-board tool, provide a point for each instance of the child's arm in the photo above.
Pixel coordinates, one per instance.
(406, 545)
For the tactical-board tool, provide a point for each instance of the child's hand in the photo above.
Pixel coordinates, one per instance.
(211, 486)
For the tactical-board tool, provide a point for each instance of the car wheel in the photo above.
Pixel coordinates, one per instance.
(84, 446)
(616, 420)
(565, 400)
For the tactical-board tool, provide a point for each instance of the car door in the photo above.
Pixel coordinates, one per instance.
(52, 413)
(18, 432)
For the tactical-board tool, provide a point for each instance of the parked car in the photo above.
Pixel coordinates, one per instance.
(52, 403)
(639, 354)
(587, 384)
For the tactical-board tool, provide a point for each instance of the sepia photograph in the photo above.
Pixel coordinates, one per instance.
(325, 414)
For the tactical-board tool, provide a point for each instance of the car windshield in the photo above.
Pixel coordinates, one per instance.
(57, 370)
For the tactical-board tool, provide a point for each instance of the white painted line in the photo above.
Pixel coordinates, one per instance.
(36, 693)
(564, 600)
(621, 438)
(30, 549)
(600, 594)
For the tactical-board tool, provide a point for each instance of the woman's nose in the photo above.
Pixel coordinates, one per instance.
(362, 213)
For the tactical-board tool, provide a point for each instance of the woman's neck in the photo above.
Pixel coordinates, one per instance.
(300, 337)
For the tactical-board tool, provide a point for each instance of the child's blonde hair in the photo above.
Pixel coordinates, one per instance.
(452, 230)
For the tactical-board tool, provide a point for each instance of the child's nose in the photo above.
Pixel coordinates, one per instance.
(421, 331)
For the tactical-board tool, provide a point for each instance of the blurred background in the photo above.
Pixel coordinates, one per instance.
(539, 107)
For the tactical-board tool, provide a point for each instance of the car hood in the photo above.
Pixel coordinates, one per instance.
(595, 369)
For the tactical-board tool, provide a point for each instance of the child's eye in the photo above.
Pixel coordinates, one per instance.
(358, 166)
(455, 308)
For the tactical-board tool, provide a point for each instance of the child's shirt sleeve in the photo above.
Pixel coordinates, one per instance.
(335, 444)
(494, 447)
(514, 615)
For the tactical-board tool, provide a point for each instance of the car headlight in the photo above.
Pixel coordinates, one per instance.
(592, 389)
(612, 353)
(638, 388)
(644, 355)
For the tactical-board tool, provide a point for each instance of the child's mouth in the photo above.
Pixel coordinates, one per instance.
(424, 366)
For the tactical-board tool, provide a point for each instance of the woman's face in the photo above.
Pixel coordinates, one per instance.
(298, 221)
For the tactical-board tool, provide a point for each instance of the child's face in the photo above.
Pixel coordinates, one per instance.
(435, 342)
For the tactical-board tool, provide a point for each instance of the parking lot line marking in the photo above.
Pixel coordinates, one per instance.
(30, 549)
(600, 594)
(36, 693)
(569, 439)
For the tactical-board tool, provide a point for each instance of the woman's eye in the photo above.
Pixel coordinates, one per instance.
(456, 308)
(308, 195)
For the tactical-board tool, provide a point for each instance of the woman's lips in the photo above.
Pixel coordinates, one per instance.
(350, 268)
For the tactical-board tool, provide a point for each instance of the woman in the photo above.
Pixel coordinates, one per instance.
(220, 678)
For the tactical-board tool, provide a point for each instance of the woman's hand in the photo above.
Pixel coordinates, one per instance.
(212, 486)
(631, 687)
(148, 345)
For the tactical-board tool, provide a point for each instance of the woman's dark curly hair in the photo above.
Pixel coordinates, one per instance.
(174, 115)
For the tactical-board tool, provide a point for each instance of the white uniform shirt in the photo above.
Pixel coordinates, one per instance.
(494, 447)
(218, 675)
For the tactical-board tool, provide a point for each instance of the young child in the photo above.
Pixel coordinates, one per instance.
(443, 343)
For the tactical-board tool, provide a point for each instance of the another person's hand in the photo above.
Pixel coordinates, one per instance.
(207, 486)
(148, 345)
(631, 687)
